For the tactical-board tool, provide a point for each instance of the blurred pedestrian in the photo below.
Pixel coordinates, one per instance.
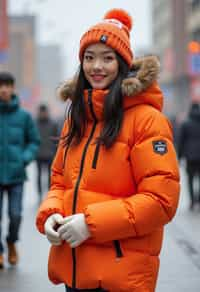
(48, 132)
(189, 148)
(115, 179)
(19, 141)
(175, 127)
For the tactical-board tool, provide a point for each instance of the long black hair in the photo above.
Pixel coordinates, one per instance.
(112, 110)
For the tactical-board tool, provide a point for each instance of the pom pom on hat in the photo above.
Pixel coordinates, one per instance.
(113, 31)
(120, 15)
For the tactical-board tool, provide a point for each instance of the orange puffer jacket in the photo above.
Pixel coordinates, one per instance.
(127, 193)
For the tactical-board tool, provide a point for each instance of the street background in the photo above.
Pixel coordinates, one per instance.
(39, 42)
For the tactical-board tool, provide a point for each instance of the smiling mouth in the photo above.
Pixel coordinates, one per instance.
(97, 77)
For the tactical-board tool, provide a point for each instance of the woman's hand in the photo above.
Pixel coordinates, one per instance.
(50, 228)
(74, 230)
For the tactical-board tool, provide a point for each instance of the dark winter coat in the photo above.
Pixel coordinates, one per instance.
(48, 131)
(19, 141)
(189, 137)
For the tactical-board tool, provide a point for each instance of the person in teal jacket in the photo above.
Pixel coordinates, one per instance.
(19, 143)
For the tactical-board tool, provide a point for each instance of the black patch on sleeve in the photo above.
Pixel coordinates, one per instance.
(160, 147)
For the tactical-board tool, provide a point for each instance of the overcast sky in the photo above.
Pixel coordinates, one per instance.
(64, 21)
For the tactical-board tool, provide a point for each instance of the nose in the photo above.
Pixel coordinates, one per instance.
(97, 65)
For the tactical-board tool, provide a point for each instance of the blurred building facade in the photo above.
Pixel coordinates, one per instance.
(49, 75)
(21, 61)
(3, 30)
(21, 57)
(193, 27)
(38, 69)
(176, 28)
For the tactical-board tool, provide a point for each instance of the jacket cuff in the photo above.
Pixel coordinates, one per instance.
(42, 217)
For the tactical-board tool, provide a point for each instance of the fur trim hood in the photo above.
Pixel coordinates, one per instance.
(143, 72)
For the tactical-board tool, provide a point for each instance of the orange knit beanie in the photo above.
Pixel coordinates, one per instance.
(113, 31)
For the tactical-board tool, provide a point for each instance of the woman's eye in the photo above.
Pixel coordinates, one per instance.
(108, 58)
(88, 58)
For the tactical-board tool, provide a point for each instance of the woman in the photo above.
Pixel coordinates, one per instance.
(115, 180)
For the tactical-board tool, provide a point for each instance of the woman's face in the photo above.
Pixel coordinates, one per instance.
(100, 65)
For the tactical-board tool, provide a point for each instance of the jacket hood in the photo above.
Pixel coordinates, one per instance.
(140, 86)
(10, 106)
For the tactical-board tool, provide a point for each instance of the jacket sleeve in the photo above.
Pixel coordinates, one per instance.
(32, 140)
(53, 202)
(156, 174)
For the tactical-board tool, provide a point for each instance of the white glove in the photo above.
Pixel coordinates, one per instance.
(74, 230)
(49, 227)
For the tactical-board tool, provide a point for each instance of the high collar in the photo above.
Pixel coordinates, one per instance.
(140, 87)
(10, 106)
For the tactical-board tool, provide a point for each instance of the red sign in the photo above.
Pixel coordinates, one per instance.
(3, 25)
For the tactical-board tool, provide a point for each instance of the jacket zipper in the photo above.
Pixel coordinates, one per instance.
(79, 179)
(65, 156)
(96, 155)
(118, 250)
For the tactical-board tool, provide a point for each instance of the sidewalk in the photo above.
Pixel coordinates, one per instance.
(180, 256)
